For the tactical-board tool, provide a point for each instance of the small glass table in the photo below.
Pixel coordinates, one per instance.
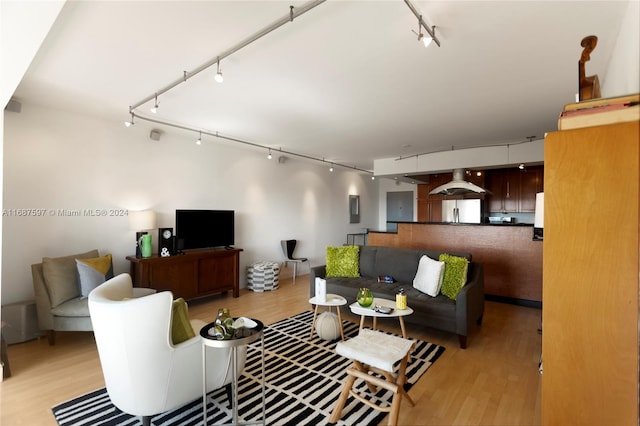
(369, 312)
(243, 336)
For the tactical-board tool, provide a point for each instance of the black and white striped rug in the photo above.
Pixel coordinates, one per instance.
(303, 381)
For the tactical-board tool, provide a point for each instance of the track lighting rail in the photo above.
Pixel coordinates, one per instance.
(244, 142)
(293, 13)
(429, 30)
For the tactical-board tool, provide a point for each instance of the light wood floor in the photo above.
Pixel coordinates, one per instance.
(493, 382)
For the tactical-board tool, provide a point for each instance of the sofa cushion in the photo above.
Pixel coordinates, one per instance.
(181, 329)
(429, 277)
(78, 307)
(455, 274)
(93, 272)
(401, 264)
(343, 261)
(61, 276)
(368, 261)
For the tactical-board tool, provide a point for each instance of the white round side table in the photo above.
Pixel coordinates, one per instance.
(331, 300)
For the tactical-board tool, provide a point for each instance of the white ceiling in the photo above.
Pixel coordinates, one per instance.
(347, 81)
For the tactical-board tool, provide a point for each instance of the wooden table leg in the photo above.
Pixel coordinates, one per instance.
(313, 324)
(404, 332)
(361, 322)
(340, 321)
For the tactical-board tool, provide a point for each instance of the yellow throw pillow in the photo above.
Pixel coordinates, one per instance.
(93, 272)
(181, 329)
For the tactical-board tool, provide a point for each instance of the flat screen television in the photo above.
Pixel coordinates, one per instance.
(205, 228)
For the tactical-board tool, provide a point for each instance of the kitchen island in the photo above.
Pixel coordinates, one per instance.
(512, 259)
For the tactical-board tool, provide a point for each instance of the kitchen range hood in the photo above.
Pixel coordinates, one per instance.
(457, 186)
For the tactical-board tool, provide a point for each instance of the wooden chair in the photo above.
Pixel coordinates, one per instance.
(378, 352)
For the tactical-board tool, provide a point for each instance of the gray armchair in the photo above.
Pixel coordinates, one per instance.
(59, 303)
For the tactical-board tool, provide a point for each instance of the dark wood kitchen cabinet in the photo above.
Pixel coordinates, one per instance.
(513, 190)
(430, 206)
(194, 274)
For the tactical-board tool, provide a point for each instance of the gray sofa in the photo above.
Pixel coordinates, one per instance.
(455, 316)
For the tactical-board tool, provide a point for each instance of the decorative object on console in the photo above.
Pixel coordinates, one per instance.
(166, 242)
(142, 221)
(144, 242)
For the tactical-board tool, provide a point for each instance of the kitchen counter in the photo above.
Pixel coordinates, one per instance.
(512, 259)
(467, 224)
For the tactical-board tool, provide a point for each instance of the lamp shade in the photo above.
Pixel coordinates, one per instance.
(142, 219)
(538, 221)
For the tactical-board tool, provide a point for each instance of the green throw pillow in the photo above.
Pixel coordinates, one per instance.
(181, 329)
(455, 274)
(343, 261)
(93, 272)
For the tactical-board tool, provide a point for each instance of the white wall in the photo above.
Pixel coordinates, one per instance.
(57, 160)
(622, 76)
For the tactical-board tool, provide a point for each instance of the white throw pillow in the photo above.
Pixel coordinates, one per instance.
(429, 277)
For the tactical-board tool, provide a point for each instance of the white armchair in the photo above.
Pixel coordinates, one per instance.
(144, 372)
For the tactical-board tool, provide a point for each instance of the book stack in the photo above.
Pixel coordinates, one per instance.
(597, 112)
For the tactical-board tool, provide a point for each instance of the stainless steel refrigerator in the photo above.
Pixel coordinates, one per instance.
(462, 211)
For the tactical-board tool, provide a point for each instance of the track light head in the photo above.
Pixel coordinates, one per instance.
(129, 123)
(269, 156)
(199, 140)
(218, 77)
(331, 168)
(154, 109)
(426, 40)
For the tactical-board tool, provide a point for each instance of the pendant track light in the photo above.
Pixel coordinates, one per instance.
(129, 123)
(154, 109)
(219, 78)
(269, 155)
(199, 140)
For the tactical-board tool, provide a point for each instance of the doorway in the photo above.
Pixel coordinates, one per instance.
(399, 208)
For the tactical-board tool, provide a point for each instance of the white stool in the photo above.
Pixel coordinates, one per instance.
(375, 351)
